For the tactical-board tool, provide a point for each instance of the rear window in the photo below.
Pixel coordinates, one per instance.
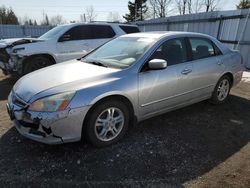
(129, 29)
(202, 48)
(102, 31)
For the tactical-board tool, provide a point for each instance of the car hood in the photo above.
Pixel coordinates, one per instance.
(17, 41)
(62, 74)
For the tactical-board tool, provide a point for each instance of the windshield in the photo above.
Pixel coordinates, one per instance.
(52, 33)
(121, 52)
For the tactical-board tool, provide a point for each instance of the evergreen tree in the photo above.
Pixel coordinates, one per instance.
(30, 22)
(45, 20)
(12, 18)
(7, 16)
(244, 4)
(137, 10)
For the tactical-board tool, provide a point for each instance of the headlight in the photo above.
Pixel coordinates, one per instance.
(18, 49)
(52, 103)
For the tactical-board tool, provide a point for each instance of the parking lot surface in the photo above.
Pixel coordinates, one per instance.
(198, 146)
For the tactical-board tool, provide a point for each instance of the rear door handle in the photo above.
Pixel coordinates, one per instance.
(219, 62)
(186, 71)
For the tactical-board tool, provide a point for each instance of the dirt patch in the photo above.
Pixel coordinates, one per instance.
(198, 146)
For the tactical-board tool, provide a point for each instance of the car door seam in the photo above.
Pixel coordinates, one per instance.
(160, 100)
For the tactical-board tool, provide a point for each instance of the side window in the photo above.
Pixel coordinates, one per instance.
(173, 51)
(202, 48)
(102, 31)
(79, 33)
(129, 29)
(217, 50)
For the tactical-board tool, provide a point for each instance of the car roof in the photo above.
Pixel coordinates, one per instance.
(98, 23)
(161, 34)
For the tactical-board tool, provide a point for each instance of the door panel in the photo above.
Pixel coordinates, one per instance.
(208, 66)
(185, 89)
(157, 89)
(82, 39)
(72, 49)
(163, 89)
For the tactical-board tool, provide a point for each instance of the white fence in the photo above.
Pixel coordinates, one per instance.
(16, 31)
(230, 27)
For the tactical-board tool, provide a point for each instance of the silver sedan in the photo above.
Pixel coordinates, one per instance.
(129, 79)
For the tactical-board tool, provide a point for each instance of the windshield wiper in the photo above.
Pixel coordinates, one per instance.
(97, 63)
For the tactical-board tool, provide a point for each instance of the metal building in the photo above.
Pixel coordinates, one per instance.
(230, 27)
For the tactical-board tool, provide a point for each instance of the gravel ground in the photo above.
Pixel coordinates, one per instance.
(198, 146)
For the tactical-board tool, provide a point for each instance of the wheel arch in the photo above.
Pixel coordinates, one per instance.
(119, 97)
(49, 56)
(27, 59)
(230, 75)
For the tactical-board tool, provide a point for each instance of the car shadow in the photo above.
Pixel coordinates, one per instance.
(170, 149)
(6, 84)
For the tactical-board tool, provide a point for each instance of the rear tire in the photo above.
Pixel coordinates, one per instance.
(221, 90)
(107, 123)
(36, 63)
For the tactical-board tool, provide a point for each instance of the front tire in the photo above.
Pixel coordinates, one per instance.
(221, 90)
(36, 63)
(107, 123)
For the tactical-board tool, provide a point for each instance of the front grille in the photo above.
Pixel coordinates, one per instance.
(29, 125)
(18, 101)
(4, 56)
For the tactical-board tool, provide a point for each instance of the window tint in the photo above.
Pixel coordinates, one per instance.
(201, 48)
(90, 32)
(129, 29)
(102, 31)
(173, 51)
(79, 33)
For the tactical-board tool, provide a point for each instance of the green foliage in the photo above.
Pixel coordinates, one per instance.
(244, 4)
(137, 10)
(7, 16)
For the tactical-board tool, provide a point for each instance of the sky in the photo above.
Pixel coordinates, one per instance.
(71, 9)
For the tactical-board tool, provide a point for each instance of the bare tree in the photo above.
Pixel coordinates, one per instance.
(189, 6)
(57, 20)
(196, 6)
(211, 5)
(114, 17)
(181, 5)
(160, 8)
(90, 13)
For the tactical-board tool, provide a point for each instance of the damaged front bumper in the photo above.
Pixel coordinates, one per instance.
(4, 60)
(47, 127)
(12, 65)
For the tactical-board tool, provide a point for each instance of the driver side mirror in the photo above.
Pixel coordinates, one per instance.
(64, 38)
(157, 64)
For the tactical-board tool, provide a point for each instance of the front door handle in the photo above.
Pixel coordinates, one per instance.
(186, 71)
(219, 62)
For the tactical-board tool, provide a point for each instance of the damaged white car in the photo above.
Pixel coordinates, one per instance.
(62, 43)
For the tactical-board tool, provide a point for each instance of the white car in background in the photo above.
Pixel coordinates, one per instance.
(62, 43)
